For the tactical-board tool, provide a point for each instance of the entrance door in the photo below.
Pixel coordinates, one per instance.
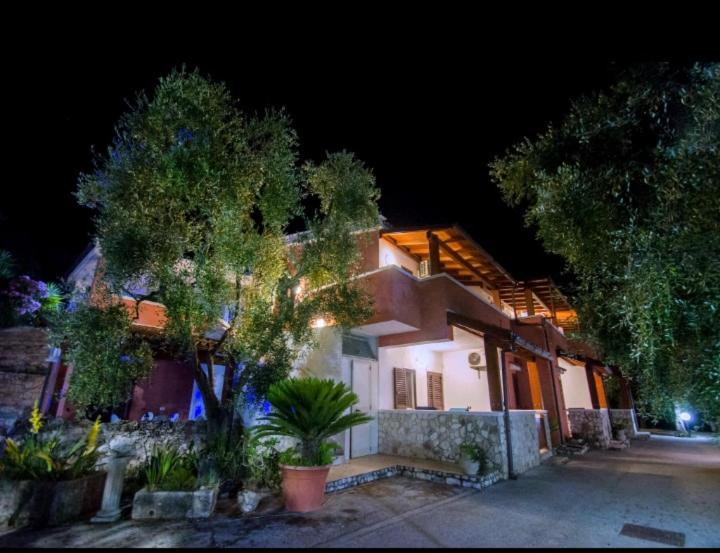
(363, 438)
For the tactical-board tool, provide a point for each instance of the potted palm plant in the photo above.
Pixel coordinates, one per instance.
(310, 410)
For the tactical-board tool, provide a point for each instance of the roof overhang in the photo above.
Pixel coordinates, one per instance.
(460, 256)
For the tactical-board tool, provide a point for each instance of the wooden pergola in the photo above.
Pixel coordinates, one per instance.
(541, 296)
(449, 249)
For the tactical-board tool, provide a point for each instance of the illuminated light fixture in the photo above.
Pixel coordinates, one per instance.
(685, 416)
(319, 323)
(298, 289)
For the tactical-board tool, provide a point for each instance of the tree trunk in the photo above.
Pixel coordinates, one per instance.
(213, 410)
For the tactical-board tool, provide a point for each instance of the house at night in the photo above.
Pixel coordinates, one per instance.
(453, 333)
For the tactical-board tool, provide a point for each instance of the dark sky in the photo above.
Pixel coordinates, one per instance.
(427, 124)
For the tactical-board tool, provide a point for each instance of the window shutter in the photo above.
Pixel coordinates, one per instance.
(435, 390)
(404, 393)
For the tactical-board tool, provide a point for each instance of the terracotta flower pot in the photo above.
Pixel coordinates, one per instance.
(303, 488)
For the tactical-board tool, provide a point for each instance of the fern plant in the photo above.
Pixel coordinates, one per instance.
(311, 410)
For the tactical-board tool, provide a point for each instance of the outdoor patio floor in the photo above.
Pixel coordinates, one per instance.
(666, 483)
(371, 463)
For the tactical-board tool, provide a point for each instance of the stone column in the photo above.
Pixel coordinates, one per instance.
(116, 462)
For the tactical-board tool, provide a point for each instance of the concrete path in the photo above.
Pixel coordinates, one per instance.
(665, 483)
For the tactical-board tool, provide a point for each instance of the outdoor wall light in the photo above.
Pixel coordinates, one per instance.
(319, 323)
(685, 416)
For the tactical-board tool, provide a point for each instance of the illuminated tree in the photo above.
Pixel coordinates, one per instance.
(627, 190)
(194, 199)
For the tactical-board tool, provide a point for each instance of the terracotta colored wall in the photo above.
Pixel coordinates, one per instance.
(169, 385)
(395, 297)
(433, 298)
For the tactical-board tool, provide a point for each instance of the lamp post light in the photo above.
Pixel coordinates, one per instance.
(682, 418)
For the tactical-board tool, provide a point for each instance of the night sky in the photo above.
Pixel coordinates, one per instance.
(426, 125)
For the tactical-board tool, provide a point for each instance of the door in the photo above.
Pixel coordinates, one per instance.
(363, 437)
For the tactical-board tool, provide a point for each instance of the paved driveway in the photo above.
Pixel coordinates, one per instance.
(666, 483)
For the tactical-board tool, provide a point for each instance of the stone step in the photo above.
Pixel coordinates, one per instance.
(568, 449)
(617, 445)
(641, 436)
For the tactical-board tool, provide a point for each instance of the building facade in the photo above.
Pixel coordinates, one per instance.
(453, 336)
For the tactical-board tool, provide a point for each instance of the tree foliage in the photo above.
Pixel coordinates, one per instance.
(107, 357)
(194, 199)
(627, 189)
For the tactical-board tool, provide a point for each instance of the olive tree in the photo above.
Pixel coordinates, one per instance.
(627, 189)
(193, 202)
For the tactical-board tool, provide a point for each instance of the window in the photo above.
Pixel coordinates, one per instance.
(404, 388)
(435, 390)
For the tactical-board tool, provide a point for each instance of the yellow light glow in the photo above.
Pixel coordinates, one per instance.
(319, 323)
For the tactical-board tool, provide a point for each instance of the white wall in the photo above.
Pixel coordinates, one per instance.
(575, 386)
(419, 358)
(392, 255)
(461, 385)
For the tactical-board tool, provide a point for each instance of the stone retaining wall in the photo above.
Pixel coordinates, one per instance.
(144, 436)
(23, 367)
(438, 435)
(593, 425)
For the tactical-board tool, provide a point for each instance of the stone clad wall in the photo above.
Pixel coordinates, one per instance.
(525, 441)
(438, 435)
(23, 368)
(144, 436)
(592, 425)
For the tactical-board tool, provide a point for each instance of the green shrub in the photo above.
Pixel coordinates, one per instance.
(261, 463)
(621, 424)
(477, 454)
(311, 410)
(223, 455)
(169, 470)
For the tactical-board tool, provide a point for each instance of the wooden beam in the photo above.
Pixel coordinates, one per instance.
(529, 302)
(434, 251)
(460, 260)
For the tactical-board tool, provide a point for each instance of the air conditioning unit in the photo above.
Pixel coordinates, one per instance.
(475, 362)
(424, 268)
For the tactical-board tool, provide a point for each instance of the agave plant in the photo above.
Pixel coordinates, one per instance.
(311, 410)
